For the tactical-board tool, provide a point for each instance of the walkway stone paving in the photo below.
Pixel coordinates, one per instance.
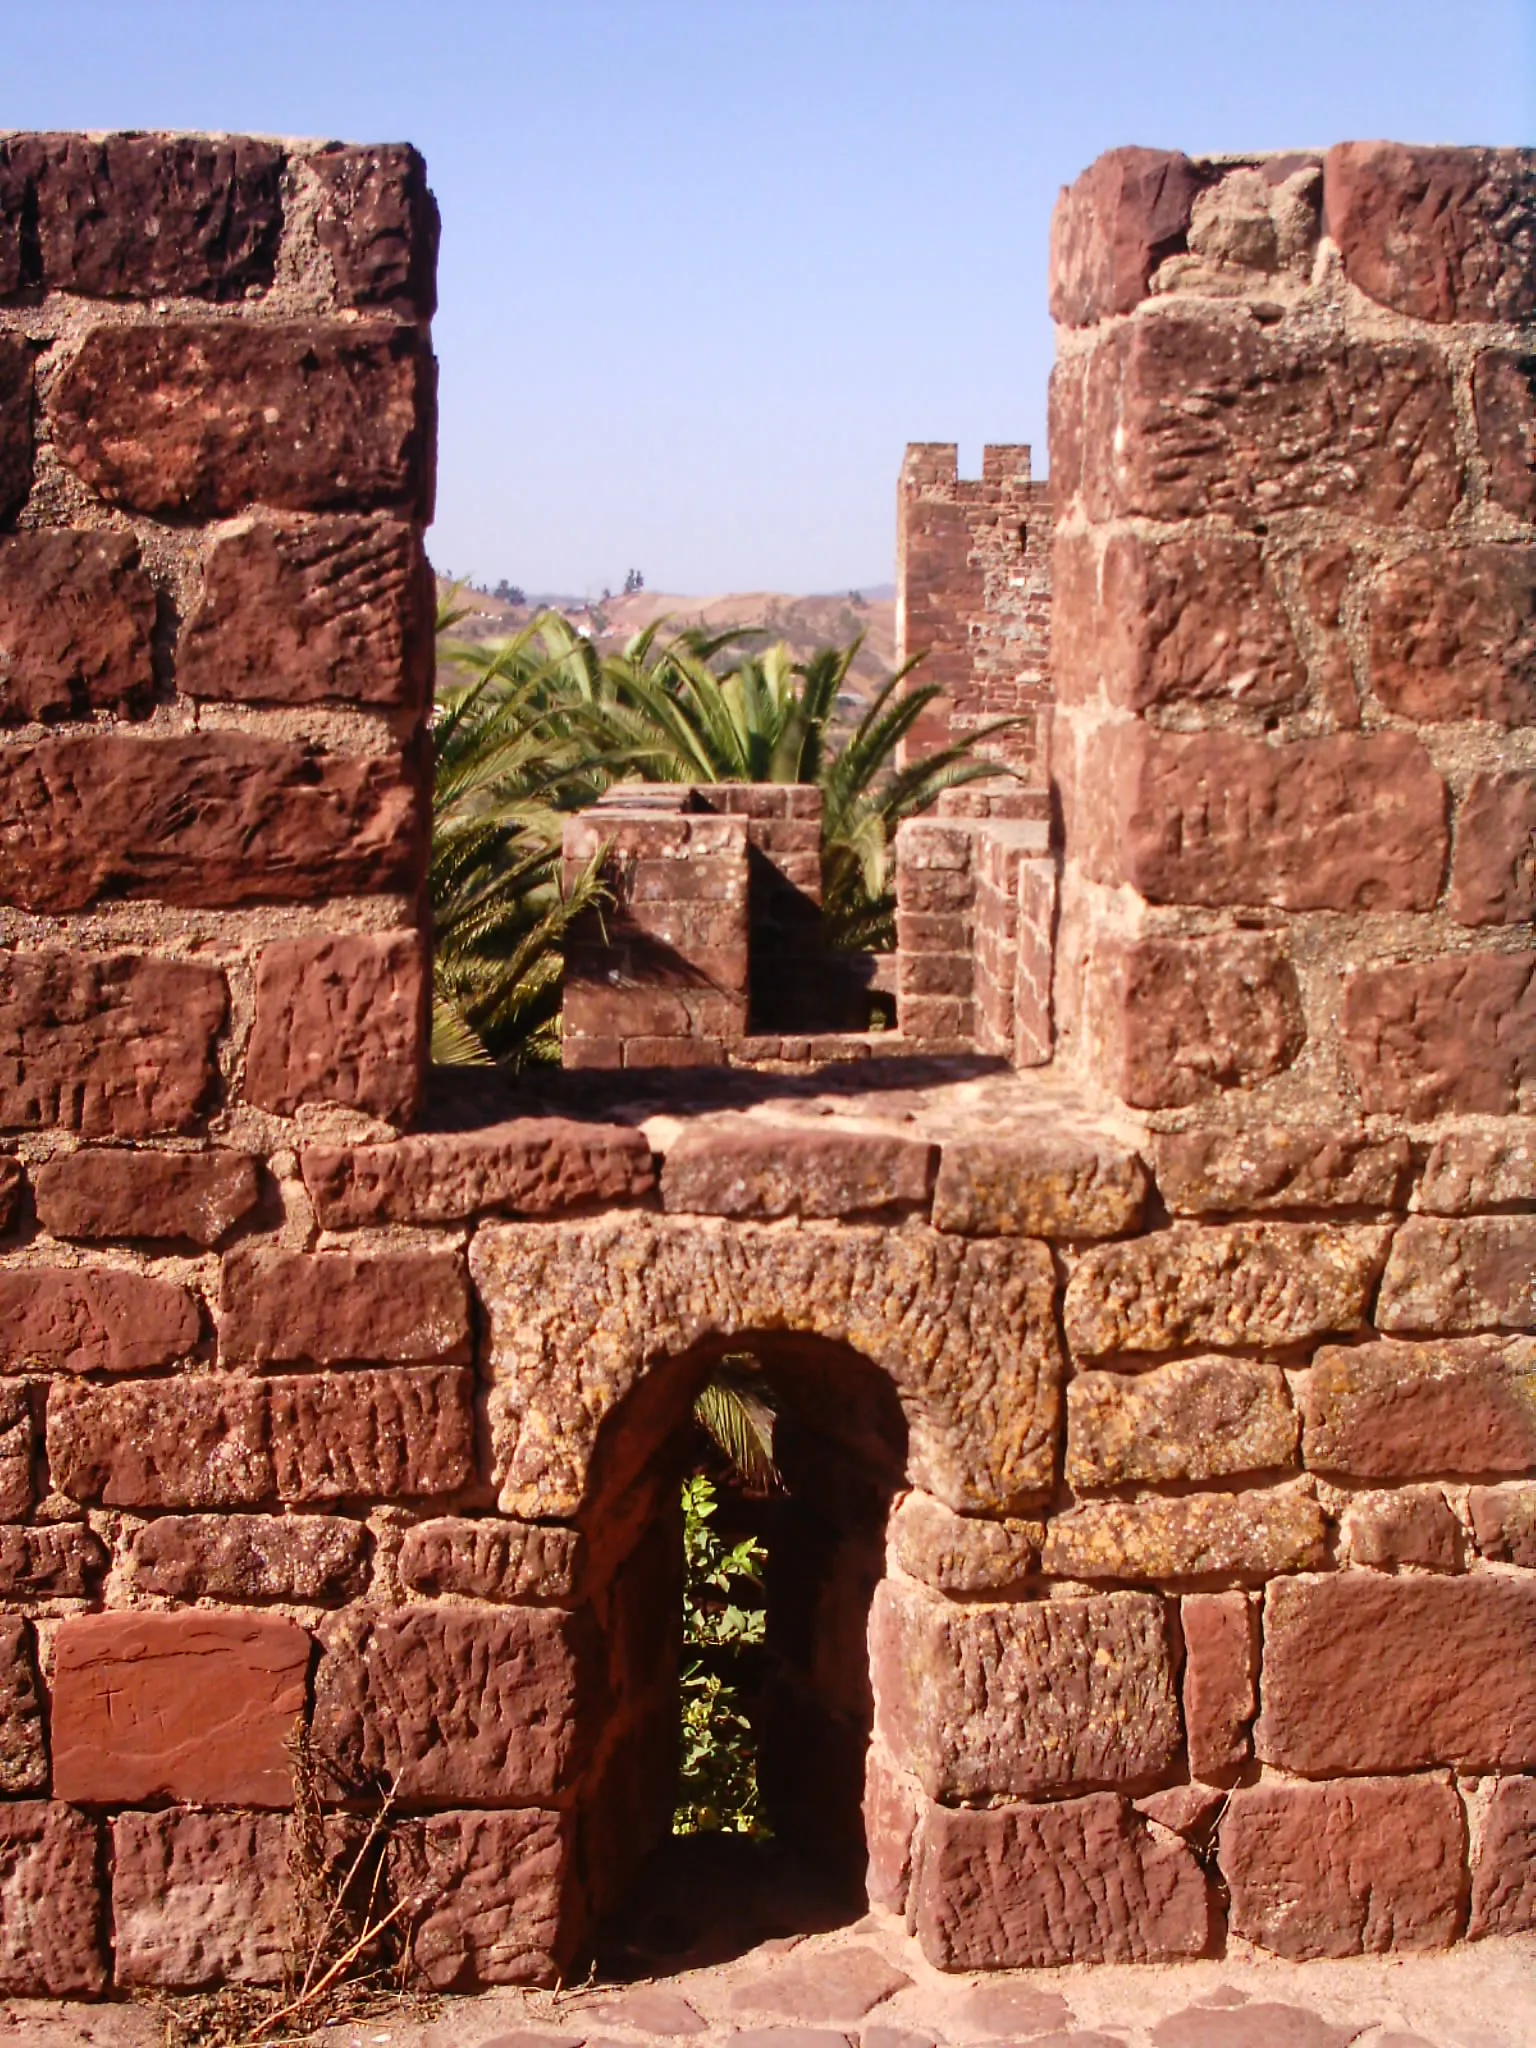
(866, 1987)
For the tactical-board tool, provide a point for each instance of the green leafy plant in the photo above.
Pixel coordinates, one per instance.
(717, 1791)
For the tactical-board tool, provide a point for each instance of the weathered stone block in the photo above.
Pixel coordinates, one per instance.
(1020, 1699)
(1358, 1868)
(490, 1559)
(738, 1166)
(341, 1020)
(1355, 821)
(1038, 1184)
(1220, 1681)
(372, 1435)
(159, 216)
(1356, 426)
(76, 614)
(1456, 1652)
(112, 1046)
(92, 1319)
(1190, 1536)
(1113, 226)
(1428, 1038)
(208, 419)
(531, 1166)
(192, 1706)
(1279, 1166)
(580, 1312)
(337, 1308)
(50, 1561)
(111, 1193)
(1438, 234)
(1078, 1881)
(893, 1806)
(16, 1452)
(1504, 402)
(1407, 1525)
(1190, 620)
(212, 820)
(454, 1703)
(378, 223)
(200, 1899)
(51, 1927)
(1198, 1418)
(23, 1760)
(13, 1187)
(1177, 1020)
(497, 1897)
(301, 610)
(1463, 1273)
(1452, 634)
(1504, 1869)
(961, 1554)
(198, 1441)
(1240, 1285)
(1392, 1410)
(1504, 1523)
(250, 1557)
(1494, 877)
(15, 422)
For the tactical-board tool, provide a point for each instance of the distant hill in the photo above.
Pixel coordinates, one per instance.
(806, 623)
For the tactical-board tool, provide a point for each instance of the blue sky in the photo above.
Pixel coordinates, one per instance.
(709, 264)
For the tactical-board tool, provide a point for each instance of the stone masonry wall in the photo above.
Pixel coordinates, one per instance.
(973, 597)
(1208, 1428)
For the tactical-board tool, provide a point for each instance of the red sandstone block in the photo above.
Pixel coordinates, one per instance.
(112, 1046)
(15, 422)
(378, 223)
(51, 1943)
(158, 216)
(50, 1561)
(1190, 620)
(193, 1441)
(92, 1319)
(331, 1308)
(1022, 1699)
(1078, 1881)
(1356, 821)
(200, 1899)
(1451, 634)
(1177, 1020)
(297, 611)
(23, 1760)
(1504, 1523)
(1391, 1410)
(13, 1188)
(1460, 1274)
(372, 1435)
(1403, 1525)
(926, 892)
(181, 1706)
(935, 974)
(673, 1052)
(1221, 1660)
(1112, 228)
(76, 614)
(249, 1557)
(455, 1703)
(1038, 1184)
(491, 1558)
(606, 1054)
(207, 419)
(17, 1442)
(341, 1020)
(528, 1166)
(1494, 877)
(1427, 1038)
(1280, 1166)
(498, 1892)
(1447, 1680)
(20, 156)
(893, 1805)
(1266, 437)
(736, 1166)
(1504, 401)
(213, 819)
(1504, 1868)
(1357, 1868)
(1438, 234)
(110, 1193)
